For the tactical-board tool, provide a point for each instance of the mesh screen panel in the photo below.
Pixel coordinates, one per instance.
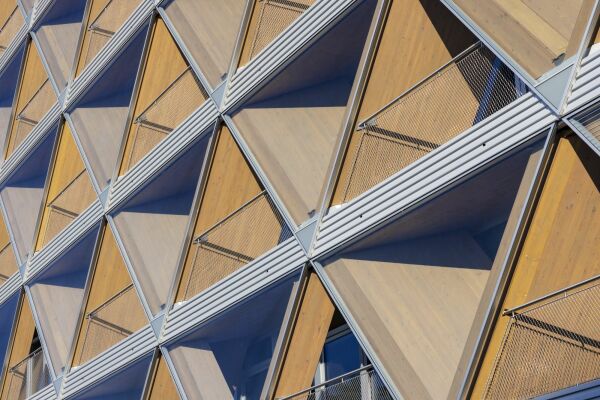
(238, 239)
(28, 376)
(110, 323)
(171, 107)
(549, 347)
(10, 28)
(362, 386)
(466, 91)
(33, 112)
(273, 17)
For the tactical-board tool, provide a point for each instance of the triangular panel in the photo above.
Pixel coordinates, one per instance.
(415, 285)
(8, 262)
(100, 116)
(237, 221)
(209, 30)
(58, 297)
(8, 313)
(162, 386)
(11, 21)
(152, 224)
(23, 193)
(168, 93)
(104, 18)
(70, 190)
(58, 35)
(34, 99)
(292, 124)
(8, 87)
(112, 310)
(229, 356)
(27, 370)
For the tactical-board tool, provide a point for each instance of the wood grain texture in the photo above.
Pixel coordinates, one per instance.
(162, 386)
(209, 30)
(231, 183)
(307, 339)
(68, 166)
(33, 77)
(419, 36)
(8, 262)
(6, 9)
(110, 276)
(163, 64)
(561, 246)
(21, 346)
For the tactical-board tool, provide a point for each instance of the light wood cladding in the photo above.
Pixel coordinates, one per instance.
(6, 9)
(163, 64)
(68, 166)
(32, 79)
(8, 262)
(21, 346)
(535, 33)
(110, 15)
(230, 184)
(163, 387)
(209, 30)
(110, 276)
(419, 37)
(560, 248)
(307, 339)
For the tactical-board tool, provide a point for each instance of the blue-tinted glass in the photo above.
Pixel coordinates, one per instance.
(341, 355)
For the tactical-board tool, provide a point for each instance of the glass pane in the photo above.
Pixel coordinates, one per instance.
(341, 355)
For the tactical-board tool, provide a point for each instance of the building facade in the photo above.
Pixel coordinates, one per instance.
(299, 199)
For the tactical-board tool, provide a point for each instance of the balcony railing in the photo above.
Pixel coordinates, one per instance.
(465, 91)
(104, 26)
(362, 384)
(10, 28)
(238, 239)
(67, 205)
(33, 112)
(110, 323)
(273, 17)
(549, 344)
(171, 107)
(28, 376)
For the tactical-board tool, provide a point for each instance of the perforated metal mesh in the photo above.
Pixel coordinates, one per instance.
(549, 346)
(28, 376)
(590, 119)
(33, 112)
(238, 239)
(467, 90)
(10, 28)
(365, 385)
(112, 322)
(171, 107)
(108, 21)
(273, 17)
(68, 204)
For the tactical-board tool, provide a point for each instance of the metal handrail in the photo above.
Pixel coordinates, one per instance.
(28, 357)
(471, 49)
(92, 26)
(330, 382)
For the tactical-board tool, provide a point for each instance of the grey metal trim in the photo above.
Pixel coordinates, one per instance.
(82, 153)
(583, 134)
(41, 130)
(350, 119)
(35, 42)
(4, 215)
(13, 334)
(508, 128)
(14, 46)
(39, 9)
(10, 287)
(109, 52)
(165, 152)
(587, 85)
(239, 46)
(40, 332)
(354, 327)
(110, 361)
(583, 46)
(281, 261)
(310, 25)
(47, 393)
(173, 373)
(64, 240)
